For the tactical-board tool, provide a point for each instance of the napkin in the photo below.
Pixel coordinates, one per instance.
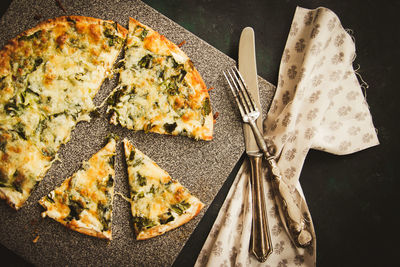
(318, 104)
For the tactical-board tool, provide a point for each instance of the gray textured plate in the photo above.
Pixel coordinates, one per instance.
(200, 166)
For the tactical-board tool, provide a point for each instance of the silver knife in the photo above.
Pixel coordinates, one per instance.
(261, 245)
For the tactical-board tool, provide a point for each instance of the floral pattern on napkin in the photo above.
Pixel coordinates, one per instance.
(318, 104)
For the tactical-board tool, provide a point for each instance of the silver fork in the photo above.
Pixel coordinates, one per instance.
(290, 214)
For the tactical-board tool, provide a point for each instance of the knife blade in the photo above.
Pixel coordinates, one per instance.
(248, 69)
(261, 245)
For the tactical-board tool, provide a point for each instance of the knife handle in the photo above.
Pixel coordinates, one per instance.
(261, 245)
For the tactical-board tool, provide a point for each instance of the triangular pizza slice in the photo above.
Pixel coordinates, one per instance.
(84, 201)
(158, 202)
(159, 88)
(49, 76)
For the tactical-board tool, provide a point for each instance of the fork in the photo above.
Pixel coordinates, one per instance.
(290, 214)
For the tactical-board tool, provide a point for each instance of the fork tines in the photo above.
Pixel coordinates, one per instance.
(242, 96)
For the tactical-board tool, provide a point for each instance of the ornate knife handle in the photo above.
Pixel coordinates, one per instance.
(289, 212)
(261, 245)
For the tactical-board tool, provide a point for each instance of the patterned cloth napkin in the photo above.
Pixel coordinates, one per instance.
(318, 104)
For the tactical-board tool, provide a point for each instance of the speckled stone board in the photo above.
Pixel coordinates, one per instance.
(200, 166)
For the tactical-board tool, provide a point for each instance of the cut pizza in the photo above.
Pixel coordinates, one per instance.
(158, 202)
(48, 78)
(159, 88)
(83, 202)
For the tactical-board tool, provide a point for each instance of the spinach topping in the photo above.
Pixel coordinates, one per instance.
(173, 61)
(206, 109)
(167, 184)
(50, 199)
(143, 33)
(141, 180)
(18, 180)
(181, 76)
(170, 127)
(146, 61)
(102, 210)
(114, 98)
(131, 155)
(30, 37)
(19, 129)
(143, 223)
(11, 107)
(179, 208)
(30, 91)
(3, 144)
(140, 195)
(111, 161)
(75, 208)
(113, 39)
(37, 63)
(2, 83)
(152, 189)
(166, 218)
(110, 181)
(172, 87)
(41, 126)
(48, 152)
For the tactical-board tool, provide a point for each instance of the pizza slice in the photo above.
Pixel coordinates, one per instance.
(158, 202)
(83, 202)
(159, 88)
(48, 78)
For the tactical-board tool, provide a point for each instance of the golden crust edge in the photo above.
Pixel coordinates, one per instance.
(195, 209)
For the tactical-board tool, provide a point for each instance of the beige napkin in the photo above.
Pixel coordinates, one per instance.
(318, 104)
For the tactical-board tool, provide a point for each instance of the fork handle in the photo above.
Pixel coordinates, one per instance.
(261, 245)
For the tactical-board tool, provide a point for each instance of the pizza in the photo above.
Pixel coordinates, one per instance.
(48, 78)
(83, 202)
(159, 89)
(158, 203)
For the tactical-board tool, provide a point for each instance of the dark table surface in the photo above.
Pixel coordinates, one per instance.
(352, 198)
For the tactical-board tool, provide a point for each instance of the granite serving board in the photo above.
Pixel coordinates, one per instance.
(200, 166)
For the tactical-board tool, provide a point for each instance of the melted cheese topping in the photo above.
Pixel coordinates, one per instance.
(48, 78)
(159, 89)
(156, 199)
(84, 201)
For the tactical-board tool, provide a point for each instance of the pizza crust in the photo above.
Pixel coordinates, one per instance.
(195, 208)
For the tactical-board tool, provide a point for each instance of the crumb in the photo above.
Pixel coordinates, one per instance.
(36, 239)
(216, 114)
(181, 43)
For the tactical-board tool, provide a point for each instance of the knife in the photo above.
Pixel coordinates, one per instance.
(261, 245)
